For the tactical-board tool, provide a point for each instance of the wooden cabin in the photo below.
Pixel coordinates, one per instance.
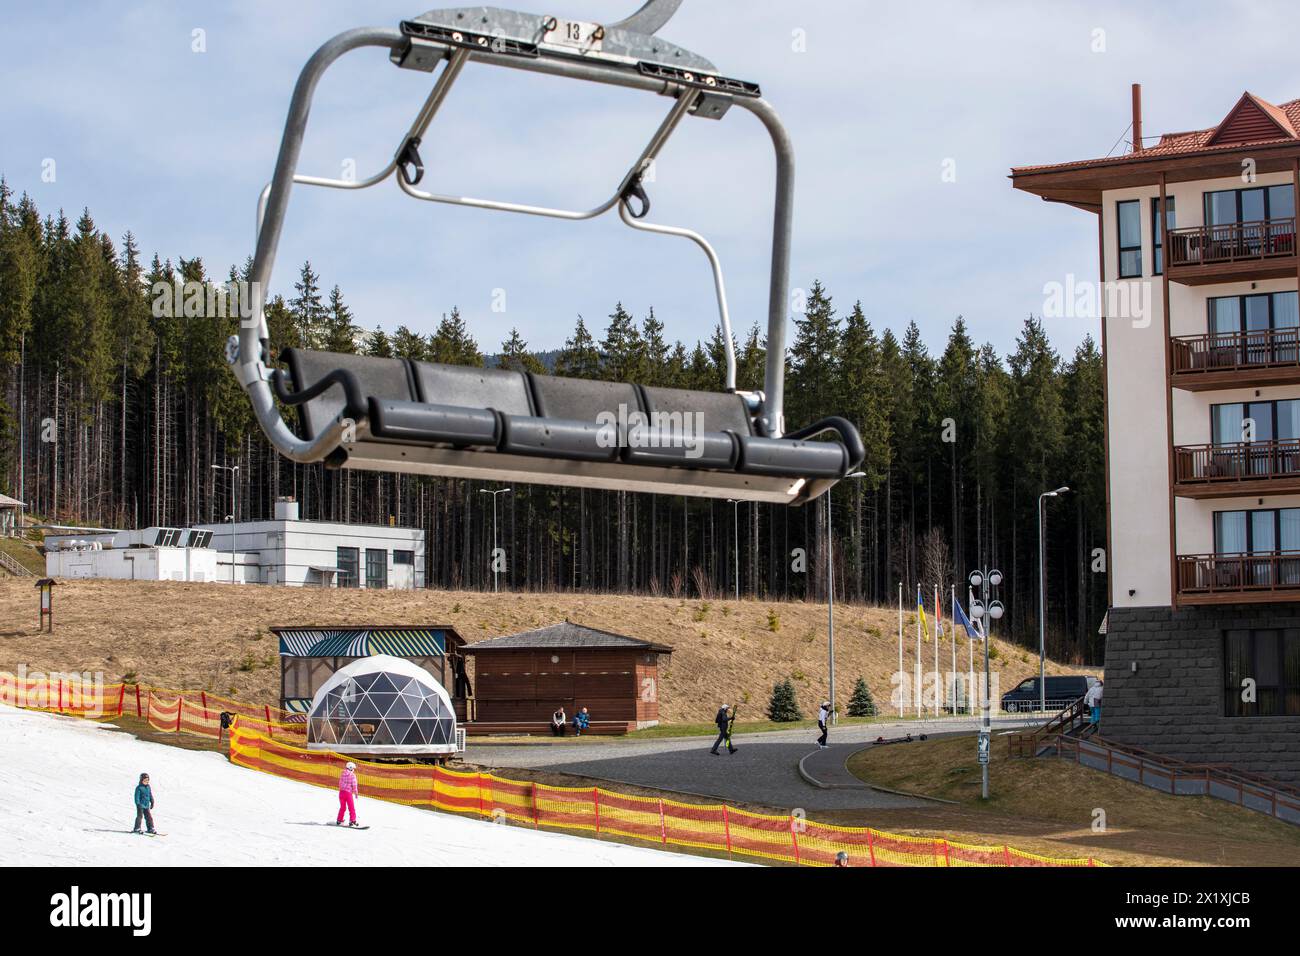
(521, 679)
(310, 654)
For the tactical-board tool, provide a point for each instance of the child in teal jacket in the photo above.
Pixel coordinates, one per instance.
(143, 804)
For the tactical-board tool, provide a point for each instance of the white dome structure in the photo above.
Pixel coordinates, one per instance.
(382, 705)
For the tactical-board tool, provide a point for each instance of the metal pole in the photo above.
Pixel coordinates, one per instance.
(987, 729)
(1042, 612)
(496, 570)
(735, 527)
(830, 604)
(901, 675)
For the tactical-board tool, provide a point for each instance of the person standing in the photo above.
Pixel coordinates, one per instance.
(1092, 700)
(823, 722)
(725, 719)
(144, 805)
(348, 795)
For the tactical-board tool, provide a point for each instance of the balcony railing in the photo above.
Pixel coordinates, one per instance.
(1248, 576)
(1237, 351)
(1234, 242)
(1244, 461)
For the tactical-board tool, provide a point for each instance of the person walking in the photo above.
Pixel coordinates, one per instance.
(144, 805)
(726, 720)
(823, 723)
(1092, 700)
(348, 795)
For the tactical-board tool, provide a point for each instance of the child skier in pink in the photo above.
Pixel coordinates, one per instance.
(348, 795)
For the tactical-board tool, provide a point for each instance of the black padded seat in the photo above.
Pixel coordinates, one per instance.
(689, 429)
(573, 418)
(363, 377)
(455, 405)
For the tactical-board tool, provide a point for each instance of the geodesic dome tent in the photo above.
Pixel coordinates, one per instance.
(382, 705)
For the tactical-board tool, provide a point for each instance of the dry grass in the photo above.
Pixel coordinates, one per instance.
(1054, 801)
(216, 637)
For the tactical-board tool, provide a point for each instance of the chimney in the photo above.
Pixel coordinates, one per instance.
(286, 509)
(1137, 117)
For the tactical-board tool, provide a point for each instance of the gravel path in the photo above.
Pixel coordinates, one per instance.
(764, 769)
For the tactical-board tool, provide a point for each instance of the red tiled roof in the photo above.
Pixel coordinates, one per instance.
(1251, 121)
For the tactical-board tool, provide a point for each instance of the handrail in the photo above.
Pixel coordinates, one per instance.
(248, 353)
(1232, 351)
(1238, 573)
(13, 567)
(1232, 242)
(1236, 461)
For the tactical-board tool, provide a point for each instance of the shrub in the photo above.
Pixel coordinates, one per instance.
(861, 704)
(773, 621)
(783, 708)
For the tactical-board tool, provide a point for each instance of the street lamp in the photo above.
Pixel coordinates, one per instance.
(735, 527)
(1042, 600)
(987, 611)
(495, 571)
(234, 470)
(830, 597)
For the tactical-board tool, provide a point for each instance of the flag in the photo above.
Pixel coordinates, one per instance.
(972, 630)
(920, 611)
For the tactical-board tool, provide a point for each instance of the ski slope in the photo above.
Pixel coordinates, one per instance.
(66, 786)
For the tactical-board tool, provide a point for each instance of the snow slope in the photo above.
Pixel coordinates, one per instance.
(66, 785)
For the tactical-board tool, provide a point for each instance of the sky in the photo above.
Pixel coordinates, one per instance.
(905, 118)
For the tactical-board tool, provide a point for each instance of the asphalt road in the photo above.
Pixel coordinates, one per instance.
(763, 770)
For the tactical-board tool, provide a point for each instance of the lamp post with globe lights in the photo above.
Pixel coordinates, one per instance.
(986, 609)
(1042, 600)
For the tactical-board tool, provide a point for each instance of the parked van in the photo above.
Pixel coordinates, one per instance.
(1061, 693)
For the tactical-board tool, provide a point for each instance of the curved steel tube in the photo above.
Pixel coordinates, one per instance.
(718, 287)
(247, 354)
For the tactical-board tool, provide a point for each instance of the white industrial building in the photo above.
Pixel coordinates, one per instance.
(288, 550)
(283, 550)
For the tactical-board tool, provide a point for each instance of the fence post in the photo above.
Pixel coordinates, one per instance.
(203, 697)
(871, 847)
(794, 838)
(946, 860)
(663, 829)
(180, 709)
(726, 829)
(137, 700)
(478, 779)
(532, 789)
(1006, 854)
(595, 802)
(60, 694)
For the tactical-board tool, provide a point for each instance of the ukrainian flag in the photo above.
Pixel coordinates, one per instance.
(920, 612)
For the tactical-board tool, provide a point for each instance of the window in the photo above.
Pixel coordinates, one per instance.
(403, 557)
(1129, 215)
(1258, 422)
(1261, 312)
(376, 568)
(1262, 531)
(1270, 659)
(1158, 234)
(347, 562)
(1259, 203)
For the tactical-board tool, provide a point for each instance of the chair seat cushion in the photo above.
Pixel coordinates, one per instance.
(441, 424)
(793, 458)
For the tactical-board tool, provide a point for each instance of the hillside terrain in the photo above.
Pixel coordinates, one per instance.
(216, 637)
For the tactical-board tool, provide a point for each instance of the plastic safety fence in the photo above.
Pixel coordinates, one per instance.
(192, 712)
(739, 833)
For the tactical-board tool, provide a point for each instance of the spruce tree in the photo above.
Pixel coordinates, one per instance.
(861, 704)
(579, 358)
(782, 707)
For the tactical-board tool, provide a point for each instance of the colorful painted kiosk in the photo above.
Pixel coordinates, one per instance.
(311, 655)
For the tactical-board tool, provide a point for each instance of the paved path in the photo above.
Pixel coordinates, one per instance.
(764, 769)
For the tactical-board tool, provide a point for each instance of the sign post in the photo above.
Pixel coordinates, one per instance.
(46, 587)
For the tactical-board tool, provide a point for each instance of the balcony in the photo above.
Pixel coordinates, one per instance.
(1238, 578)
(1236, 359)
(1265, 249)
(1246, 468)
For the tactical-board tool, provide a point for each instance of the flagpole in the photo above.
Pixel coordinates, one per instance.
(952, 616)
(938, 626)
(919, 665)
(901, 672)
(971, 672)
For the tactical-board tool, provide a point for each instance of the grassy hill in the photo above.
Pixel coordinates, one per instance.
(215, 637)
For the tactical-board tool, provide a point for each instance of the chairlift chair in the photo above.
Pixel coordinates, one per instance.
(422, 417)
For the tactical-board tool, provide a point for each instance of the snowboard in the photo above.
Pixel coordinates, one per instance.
(344, 826)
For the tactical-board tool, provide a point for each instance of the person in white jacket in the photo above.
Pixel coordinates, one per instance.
(1092, 700)
(823, 721)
